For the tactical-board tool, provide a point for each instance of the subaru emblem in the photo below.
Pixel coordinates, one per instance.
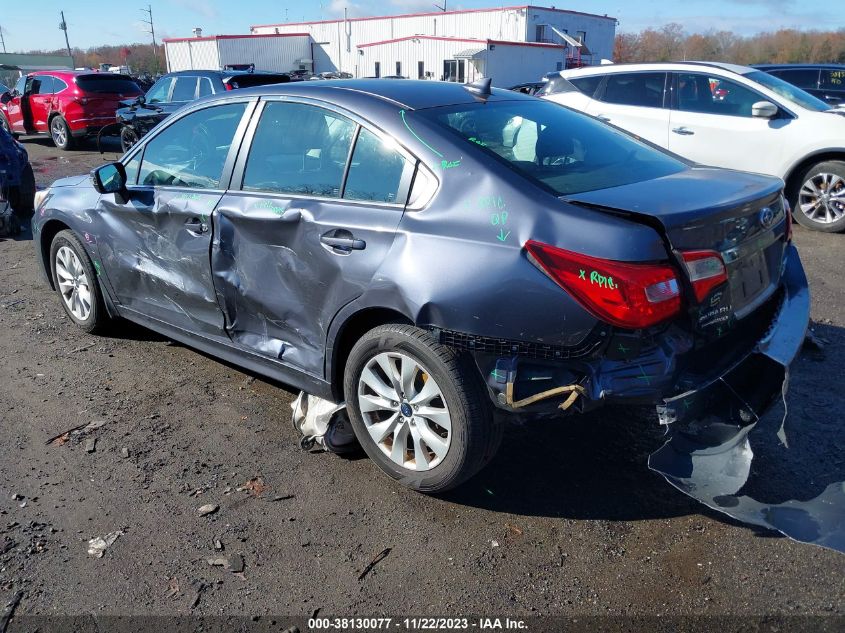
(767, 217)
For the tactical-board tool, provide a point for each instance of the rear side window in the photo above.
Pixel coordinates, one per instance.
(185, 89)
(58, 85)
(192, 151)
(376, 170)
(714, 95)
(261, 79)
(107, 84)
(299, 149)
(635, 89)
(802, 77)
(834, 79)
(42, 85)
(205, 88)
(587, 85)
(160, 91)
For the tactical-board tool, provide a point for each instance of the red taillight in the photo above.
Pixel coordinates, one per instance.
(706, 271)
(628, 295)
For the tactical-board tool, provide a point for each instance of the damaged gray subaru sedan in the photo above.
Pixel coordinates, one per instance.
(434, 255)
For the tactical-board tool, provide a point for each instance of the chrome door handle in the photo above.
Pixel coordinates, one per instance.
(683, 131)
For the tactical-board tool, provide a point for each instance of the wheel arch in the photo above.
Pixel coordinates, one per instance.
(49, 231)
(794, 173)
(348, 333)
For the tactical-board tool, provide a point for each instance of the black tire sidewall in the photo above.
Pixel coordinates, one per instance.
(834, 167)
(98, 316)
(457, 466)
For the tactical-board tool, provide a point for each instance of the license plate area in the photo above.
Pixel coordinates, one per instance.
(749, 278)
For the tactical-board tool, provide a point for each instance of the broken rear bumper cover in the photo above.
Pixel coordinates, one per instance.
(738, 375)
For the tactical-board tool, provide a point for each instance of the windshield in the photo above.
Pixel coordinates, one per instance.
(566, 151)
(788, 91)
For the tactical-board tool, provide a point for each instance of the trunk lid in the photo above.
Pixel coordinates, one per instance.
(737, 214)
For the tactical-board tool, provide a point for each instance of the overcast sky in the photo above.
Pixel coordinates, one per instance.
(35, 23)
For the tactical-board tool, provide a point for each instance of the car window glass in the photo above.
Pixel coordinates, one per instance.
(58, 85)
(132, 168)
(42, 85)
(375, 172)
(185, 89)
(833, 79)
(192, 151)
(300, 149)
(802, 77)
(34, 85)
(587, 85)
(635, 89)
(205, 88)
(555, 85)
(159, 92)
(20, 87)
(714, 95)
(562, 150)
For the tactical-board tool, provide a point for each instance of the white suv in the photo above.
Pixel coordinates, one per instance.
(724, 115)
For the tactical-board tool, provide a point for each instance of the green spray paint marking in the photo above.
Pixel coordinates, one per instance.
(719, 331)
(448, 164)
(495, 202)
(582, 274)
(269, 205)
(402, 114)
(623, 349)
(187, 196)
(477, 141)
(97, 268)
(602, 281)
(644, 376)
(687, 404)
(495, 374)
(499, 218)
(502, 236)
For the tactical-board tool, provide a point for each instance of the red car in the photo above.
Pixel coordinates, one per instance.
(65, 104)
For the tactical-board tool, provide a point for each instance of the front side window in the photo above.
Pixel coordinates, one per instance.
(205, 88)
(564, 151)
(192, 151)
(587, 85)
(20, 87)
(804, 78)
(298, 149)
(635, 89)
(375, 172)
(160, 92)
(714, 95)
(185, 89)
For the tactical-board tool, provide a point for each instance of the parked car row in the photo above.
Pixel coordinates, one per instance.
(428, 253)
(724, 115)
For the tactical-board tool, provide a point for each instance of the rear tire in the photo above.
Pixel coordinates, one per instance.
(435, 404)
(75, 280)
(818, 197)
(60, 133)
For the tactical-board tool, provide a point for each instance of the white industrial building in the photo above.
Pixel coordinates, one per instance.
(508, 44)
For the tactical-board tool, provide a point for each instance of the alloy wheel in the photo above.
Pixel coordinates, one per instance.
(822, 198)
(58, 132)
(73, 283)
(404, 411)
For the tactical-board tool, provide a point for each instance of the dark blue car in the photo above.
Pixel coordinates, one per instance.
(429, 253)
(17, 182)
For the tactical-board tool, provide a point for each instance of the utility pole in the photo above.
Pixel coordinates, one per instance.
(63, 27)
(2, 41)
(443, 8)
(152, 31)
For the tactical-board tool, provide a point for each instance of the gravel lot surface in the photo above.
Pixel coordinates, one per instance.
(567, 520)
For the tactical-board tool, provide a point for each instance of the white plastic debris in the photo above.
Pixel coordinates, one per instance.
(323, 424)
(97, 546)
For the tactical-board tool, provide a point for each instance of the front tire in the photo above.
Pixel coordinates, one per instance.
(128, 138)
(60, 133)
(75, 280)
(818, 198)
(418, 409)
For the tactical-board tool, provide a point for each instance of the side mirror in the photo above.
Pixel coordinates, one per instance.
(110, 178)
(764, 110)
(6, 97)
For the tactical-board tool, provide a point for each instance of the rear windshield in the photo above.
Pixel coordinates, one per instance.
(107, 84)
(565, 151)
(247, 80)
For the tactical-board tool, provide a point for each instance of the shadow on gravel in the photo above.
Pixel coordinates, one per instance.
(594, 467)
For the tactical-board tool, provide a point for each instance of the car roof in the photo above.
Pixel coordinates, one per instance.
(65, 74)
(798, 66)
(668, 66)
(220, 73)
(410, 94)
